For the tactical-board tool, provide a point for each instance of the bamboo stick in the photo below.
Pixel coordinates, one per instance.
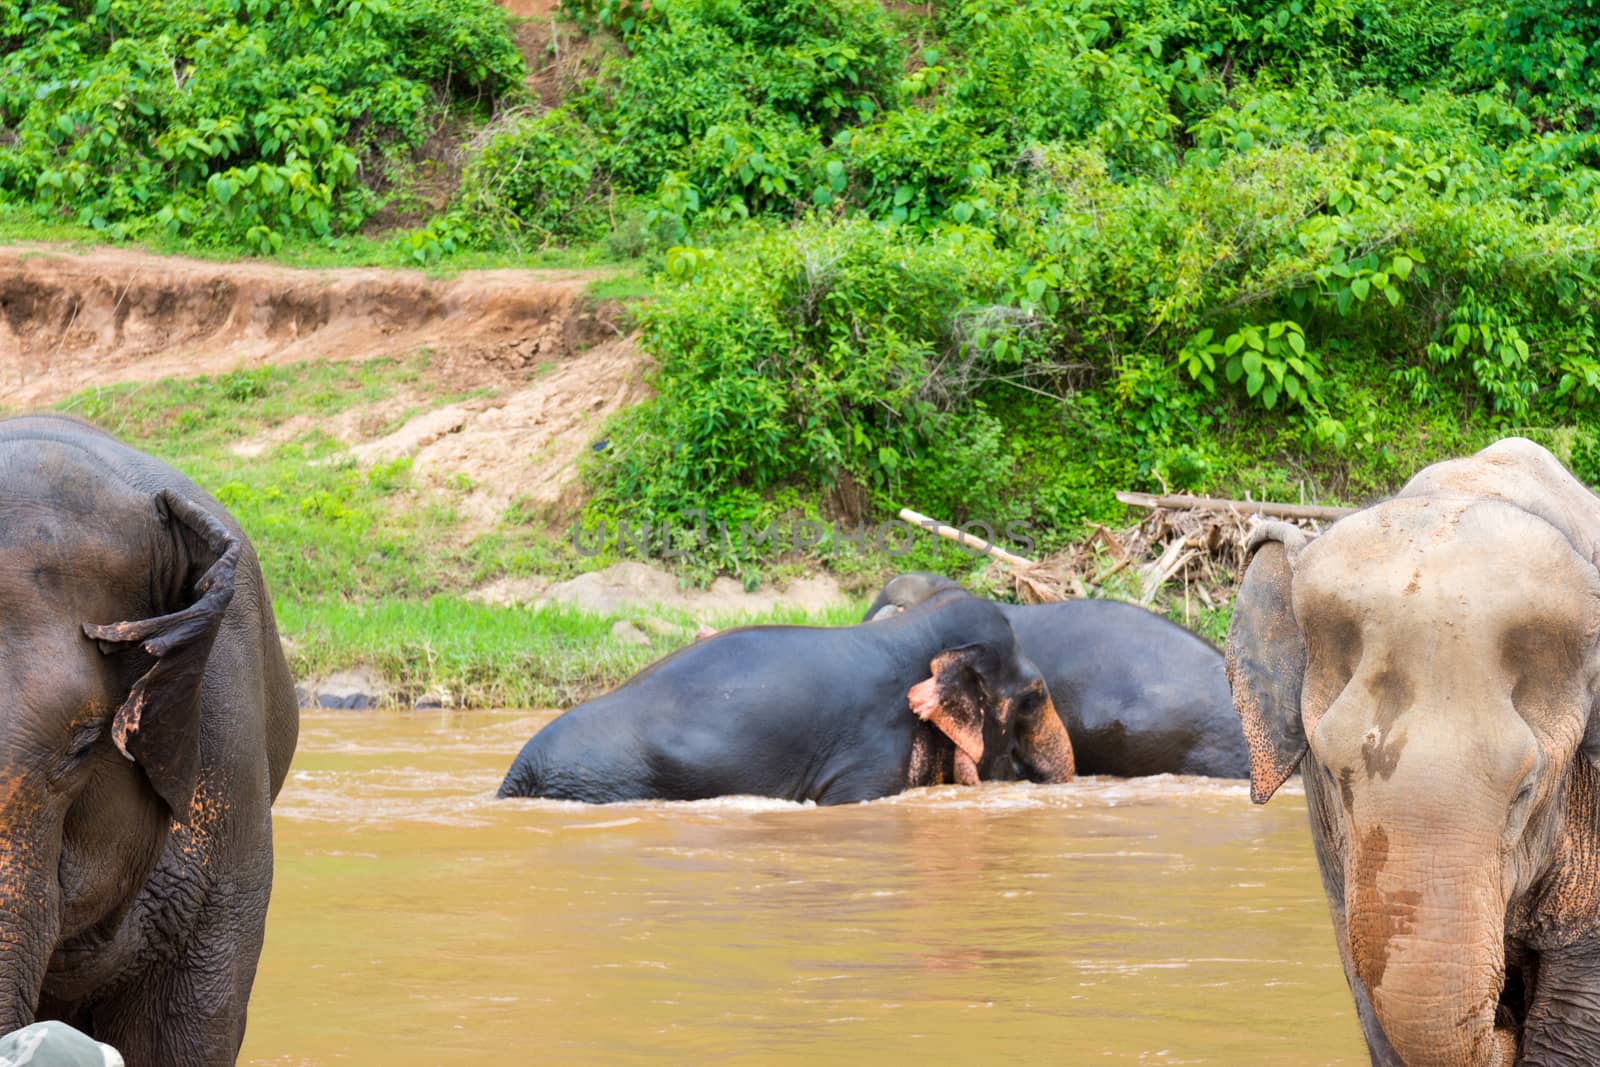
(1244, 507)
(950, 533)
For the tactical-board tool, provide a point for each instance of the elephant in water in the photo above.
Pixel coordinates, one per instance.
(1139, 695)
(147, 725)
(1431, 664)
(833, 715)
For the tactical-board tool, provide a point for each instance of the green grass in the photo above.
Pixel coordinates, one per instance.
(371, 566)
(489, 656)
(22, 224)
(388, 250)
(198, 416)
(319, 521)
(626, 286)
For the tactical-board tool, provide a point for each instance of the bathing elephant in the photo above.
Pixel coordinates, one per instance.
(1139, 695)
(147, 724)
(1432, 666)
(827, 714)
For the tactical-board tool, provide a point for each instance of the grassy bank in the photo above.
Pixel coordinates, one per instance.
(487, 656)
(368, 566)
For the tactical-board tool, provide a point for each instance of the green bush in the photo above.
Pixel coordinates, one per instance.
(538, 179)
(917, 166)
(990, 262)
(1299, 286)
(1546, 52)
(822, 353)
(237, 121)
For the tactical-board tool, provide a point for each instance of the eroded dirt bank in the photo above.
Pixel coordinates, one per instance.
(68, 321)
(548, 364)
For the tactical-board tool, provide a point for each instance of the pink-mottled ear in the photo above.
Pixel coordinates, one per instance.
(950, 702)
(1266, 660)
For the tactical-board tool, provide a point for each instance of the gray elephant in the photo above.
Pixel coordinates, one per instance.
(148, 725)
(834, 715)
(1138, 695)
(1432, 665)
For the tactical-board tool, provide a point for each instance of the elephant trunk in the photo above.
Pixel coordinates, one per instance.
(1048, 749)
(1428, 943)
(30, 917)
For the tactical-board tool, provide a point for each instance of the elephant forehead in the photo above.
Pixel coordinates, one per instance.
(70, 540)
(1454, 561)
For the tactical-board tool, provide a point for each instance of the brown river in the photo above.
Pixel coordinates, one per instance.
(417, 921)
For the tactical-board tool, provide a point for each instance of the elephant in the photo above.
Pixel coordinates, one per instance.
(1139, 695)
(1431, 664)
(148, 725)
(833, 715)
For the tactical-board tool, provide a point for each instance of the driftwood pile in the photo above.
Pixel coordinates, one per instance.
(1198, 542)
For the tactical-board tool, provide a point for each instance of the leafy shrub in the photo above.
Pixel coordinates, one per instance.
(825, 352)
(230, 120)
(753, 167)
(537, 179)
(917, 166)
(1545, 51)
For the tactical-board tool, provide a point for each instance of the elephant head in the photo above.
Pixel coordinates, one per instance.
(1431, 665)
(991, 703)
(110, 600)
(988, 698)
(908, 590)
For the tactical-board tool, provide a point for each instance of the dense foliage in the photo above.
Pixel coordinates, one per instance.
(1171, 238)
(993, 260)
(232, 120)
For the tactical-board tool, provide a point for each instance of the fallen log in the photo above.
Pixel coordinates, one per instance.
(1320, 512)
(1035, 582)
(964, 539)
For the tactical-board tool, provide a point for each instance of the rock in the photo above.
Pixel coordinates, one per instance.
(705, 632)
(434, 699)
(354, 690)
(632, 586)
(629, 634)
(661, 627)
(55, 1044)
(621, 587)
(509, 592)
(347, 702)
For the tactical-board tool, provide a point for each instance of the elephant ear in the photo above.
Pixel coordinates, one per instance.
(953, 701)
(158, 725)
(1266, 660)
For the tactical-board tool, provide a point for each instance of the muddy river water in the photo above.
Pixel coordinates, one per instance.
(417, 921)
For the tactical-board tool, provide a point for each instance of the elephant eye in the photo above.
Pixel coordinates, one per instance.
(84, 738)
(1028, 705)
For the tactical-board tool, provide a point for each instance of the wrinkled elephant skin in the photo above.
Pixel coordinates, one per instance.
(147, 720)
